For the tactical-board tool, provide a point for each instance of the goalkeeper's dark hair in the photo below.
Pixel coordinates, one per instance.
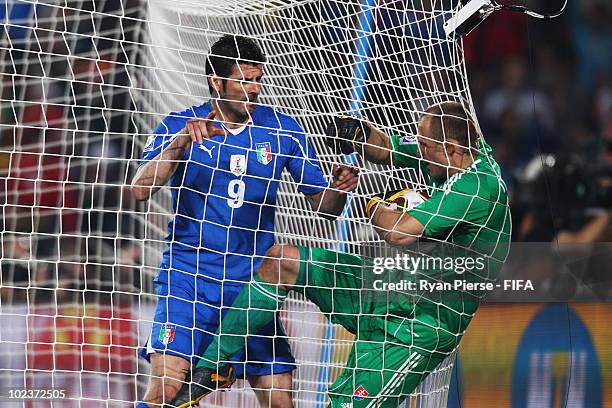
(232, 50)
(452, 120)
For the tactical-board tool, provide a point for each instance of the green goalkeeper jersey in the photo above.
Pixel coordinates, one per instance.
(466, 216)
(469, 207)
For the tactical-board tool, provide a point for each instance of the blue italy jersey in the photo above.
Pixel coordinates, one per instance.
(224, 192)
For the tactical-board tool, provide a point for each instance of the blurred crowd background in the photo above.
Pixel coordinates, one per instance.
(66, 135)
(543, 93)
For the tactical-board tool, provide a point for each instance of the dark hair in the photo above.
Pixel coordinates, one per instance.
(232, 50)
(451, 120)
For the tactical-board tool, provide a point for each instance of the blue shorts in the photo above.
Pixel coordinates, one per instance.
(184, 326)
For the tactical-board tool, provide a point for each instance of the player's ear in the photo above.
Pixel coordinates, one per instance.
(216, 84)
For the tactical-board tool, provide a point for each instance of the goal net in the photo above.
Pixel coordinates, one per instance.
(84, 83)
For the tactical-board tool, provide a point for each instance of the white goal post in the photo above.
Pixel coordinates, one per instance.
(83, 85)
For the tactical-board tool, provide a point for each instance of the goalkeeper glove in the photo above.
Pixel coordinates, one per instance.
(405, 199)
(344, 131)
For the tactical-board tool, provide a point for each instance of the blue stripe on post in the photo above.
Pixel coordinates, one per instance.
(363, 51)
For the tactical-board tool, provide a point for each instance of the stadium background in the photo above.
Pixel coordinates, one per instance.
(538, 87)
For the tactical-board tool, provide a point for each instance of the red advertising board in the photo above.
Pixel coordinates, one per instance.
(72, 338)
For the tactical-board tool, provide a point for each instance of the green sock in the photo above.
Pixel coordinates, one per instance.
(254, 307)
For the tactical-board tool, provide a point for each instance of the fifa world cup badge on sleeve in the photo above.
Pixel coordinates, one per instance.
(150, 144)
(408, 139)
(166, 334)
(264, 152)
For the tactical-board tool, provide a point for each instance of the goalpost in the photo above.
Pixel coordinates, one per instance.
(83, 85)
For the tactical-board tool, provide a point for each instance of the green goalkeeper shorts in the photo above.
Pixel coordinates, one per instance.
(392, 351)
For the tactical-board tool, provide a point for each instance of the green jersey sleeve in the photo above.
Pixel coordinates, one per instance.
(405, 152)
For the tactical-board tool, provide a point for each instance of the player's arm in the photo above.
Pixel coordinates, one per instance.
(463, 199)
(157, 171)
(303, 165)
(348, 134)
(330, 202)
(393, 225)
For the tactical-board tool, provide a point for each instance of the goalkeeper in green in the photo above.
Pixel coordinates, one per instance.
(399, 339)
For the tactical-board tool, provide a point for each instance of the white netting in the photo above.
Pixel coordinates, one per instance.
(85, 82)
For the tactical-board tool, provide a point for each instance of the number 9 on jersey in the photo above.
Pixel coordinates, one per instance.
(235, 191)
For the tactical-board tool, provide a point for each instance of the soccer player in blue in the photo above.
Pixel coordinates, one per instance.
(223, 161)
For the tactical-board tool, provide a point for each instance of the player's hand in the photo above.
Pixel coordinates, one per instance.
(405, 199)
(203, 128)
(344, 132)
(346, 178)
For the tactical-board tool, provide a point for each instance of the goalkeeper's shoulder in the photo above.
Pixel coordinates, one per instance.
(479, 180)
